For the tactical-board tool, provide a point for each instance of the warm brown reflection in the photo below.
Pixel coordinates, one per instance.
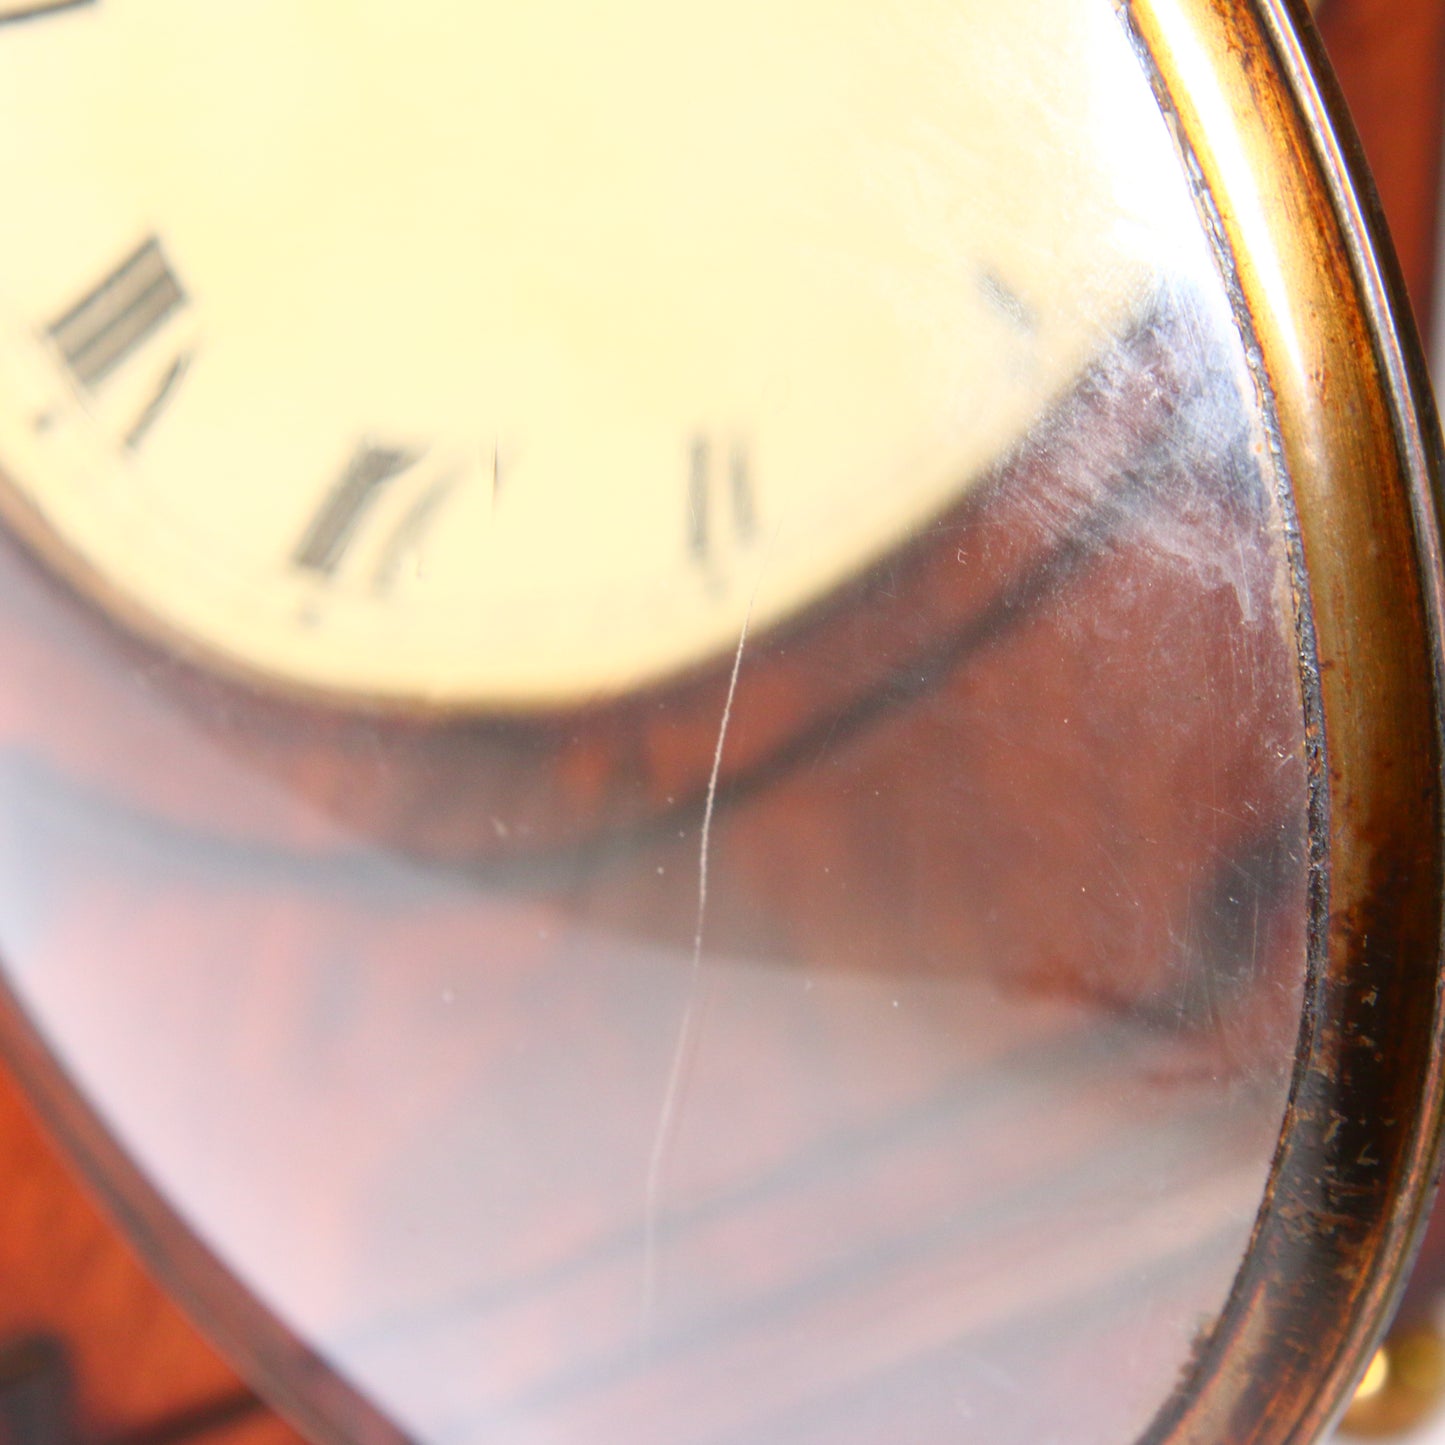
(959, 1119)
(879, 1026)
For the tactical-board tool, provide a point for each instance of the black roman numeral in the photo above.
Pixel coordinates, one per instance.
(110, 323)
(34, 9)
(113, 323)
(331, 531)
(706, 508)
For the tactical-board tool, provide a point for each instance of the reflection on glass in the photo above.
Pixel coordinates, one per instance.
(846, 993)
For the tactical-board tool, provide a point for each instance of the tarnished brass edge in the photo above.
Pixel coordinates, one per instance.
(1357, 1155)
(1401, 355)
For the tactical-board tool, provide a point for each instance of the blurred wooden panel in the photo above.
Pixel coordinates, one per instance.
(1389, 56)
(129, 1367)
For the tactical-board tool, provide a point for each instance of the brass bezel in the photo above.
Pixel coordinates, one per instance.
(1337, 362)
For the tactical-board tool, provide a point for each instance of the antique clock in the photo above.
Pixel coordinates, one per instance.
(721, 723)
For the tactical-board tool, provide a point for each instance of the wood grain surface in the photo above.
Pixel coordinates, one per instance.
(1389, 57)
(1006, 890)
(135, 1370)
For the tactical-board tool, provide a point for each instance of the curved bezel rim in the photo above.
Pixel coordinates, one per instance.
(1341, 371)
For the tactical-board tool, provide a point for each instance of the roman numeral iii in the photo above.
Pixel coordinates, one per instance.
(114, 321)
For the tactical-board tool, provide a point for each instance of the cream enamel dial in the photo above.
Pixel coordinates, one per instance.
(503, 356)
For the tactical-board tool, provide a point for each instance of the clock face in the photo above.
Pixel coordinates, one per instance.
(511, 356)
